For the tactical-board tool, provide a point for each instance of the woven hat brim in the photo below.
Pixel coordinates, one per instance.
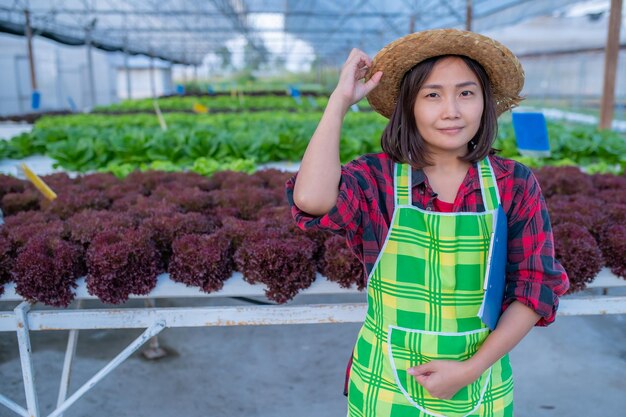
(504, 70)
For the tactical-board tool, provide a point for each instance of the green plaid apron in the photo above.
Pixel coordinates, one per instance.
(424, 294)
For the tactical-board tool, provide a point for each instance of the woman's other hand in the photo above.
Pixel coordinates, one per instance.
(350, 89)
(442, 378)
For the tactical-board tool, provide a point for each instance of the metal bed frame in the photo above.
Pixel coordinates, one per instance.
(23, 320)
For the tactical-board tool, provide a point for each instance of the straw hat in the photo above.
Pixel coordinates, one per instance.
(503, 68)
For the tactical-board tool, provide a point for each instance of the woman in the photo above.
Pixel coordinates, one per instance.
(421, 217)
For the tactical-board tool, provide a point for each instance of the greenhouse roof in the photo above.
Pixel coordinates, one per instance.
(185, 31)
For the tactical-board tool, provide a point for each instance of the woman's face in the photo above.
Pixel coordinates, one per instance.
(448, 107)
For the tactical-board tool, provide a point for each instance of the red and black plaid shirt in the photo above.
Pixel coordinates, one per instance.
(365, 206)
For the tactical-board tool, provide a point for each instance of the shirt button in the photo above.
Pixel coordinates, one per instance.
(429, 209)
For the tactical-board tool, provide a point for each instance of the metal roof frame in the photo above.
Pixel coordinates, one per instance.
(185, 31)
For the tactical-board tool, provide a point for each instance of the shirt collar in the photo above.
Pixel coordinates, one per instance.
(500, 169)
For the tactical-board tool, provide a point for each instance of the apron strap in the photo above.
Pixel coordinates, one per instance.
(402, 184)
(488, 185)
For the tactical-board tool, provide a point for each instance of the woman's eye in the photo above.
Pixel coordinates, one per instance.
(431, 95)
(467, 93)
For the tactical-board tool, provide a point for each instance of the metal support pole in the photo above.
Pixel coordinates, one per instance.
(127, 71)
(31, 58)
(23, 339)
(13, 406)
(319, 70)
(610, 64)
(170, 79)
(154, 350)
(468, 15)
(412, 24)
(136, 344)
(92, 82)
(152, 78)
(17, 70)
(70, 352)
(579, 102)
(58, 78)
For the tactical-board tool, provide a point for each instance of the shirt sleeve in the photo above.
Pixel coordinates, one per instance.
(355, 189)
(534, 277)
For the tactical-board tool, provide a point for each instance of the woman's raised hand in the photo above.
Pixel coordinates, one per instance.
(317, 186)
(350, 89)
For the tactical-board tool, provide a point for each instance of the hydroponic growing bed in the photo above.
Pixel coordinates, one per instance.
(122, 233)
(159, 234)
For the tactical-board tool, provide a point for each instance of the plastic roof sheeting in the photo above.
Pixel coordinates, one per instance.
(184, 31)
(333, 27)
(179, 31)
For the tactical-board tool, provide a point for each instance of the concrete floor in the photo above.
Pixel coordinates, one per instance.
(575, 367)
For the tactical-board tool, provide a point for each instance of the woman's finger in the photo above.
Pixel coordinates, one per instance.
(372, 82)
(354, 69)
(360, 73)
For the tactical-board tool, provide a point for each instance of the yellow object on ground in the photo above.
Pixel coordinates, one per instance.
(38, 183)
(199, 108)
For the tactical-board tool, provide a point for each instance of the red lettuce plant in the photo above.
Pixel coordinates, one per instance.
(617, 196)
(247, 200)
(579, 254)
(148, 181)
(239, 231)
(616, 213)
(46, 269)
(608, 182)
(563, 180)
(231, 179)
(75, 200)
(341, 265)
(273, 178)
(188, 199)
(277, 216)
(24, 218)
(85, 225)
(580, 209)
(9, 184)
(164, 227)
(201, 260)
(319, 237)
(120, 263)
(58, 181)
(145, 207)
(612, 214)
(225, 212)
(280, 216)
(191, 180)
(284, 265)
(13, 203)
(124, 191)
(100, 181)
(613, 247)
(21, 227)
(6, 261)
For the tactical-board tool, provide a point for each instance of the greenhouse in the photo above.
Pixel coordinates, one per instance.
(166, 246)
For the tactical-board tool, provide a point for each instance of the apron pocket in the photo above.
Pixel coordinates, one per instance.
(408, 348)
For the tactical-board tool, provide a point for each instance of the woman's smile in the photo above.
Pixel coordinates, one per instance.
(451, 130)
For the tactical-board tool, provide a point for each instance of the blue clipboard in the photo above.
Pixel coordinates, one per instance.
(495, 281)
